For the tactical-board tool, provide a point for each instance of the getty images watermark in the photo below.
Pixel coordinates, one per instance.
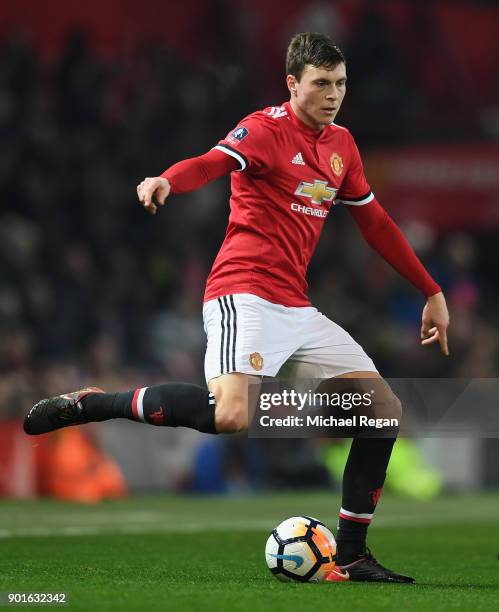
(374, 407)
(295, 400)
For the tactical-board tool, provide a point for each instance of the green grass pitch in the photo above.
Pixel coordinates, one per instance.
(206, 554)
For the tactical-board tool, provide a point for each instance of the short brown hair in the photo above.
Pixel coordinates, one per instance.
(314, 49)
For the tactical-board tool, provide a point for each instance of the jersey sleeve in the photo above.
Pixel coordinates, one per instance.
(355, 189)
(383, 234)
(252, 143)
(191, 174)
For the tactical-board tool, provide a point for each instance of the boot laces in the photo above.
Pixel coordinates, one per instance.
(368, 556)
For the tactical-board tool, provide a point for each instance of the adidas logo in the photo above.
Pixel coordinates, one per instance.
(276, 112)
(298, 159)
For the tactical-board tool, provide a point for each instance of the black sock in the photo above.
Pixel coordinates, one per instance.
(363, 479)
(350, 540)
(171, 405)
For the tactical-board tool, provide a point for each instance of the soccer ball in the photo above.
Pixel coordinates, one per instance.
(301, 548)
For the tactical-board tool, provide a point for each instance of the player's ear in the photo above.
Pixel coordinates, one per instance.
(291, 83)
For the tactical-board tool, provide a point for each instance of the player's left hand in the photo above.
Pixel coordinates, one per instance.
(435, 322)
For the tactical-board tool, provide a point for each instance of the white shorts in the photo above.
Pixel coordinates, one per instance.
(248, 334)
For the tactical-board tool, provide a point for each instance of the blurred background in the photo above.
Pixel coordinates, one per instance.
(95, 96)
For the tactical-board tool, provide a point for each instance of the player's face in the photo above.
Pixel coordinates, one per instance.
(316, 98)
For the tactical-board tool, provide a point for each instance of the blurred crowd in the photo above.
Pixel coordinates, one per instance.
(95, 291)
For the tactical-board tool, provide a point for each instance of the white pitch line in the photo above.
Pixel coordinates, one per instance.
(92, 518)
(228, 526)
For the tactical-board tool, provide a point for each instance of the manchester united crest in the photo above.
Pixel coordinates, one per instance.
(336, 164)
(256, 361)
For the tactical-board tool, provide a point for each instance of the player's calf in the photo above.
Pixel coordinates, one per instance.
(170, 405)
(365, 470)
(221, 409)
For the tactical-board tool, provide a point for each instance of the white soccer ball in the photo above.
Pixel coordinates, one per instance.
(301, 548)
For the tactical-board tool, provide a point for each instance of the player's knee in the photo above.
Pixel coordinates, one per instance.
(398, 407)
(392, 406)
(231, 414)
(385, 404)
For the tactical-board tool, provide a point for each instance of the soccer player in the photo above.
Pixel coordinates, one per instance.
(289, 165)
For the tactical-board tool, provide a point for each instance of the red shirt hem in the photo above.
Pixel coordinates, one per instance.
(296, 302)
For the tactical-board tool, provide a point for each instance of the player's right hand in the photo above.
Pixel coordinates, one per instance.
(435, 322)
(152, 192)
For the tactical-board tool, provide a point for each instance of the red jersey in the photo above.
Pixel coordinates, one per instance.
(290, 177)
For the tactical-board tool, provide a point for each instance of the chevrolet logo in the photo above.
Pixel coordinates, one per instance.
(318, 191)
